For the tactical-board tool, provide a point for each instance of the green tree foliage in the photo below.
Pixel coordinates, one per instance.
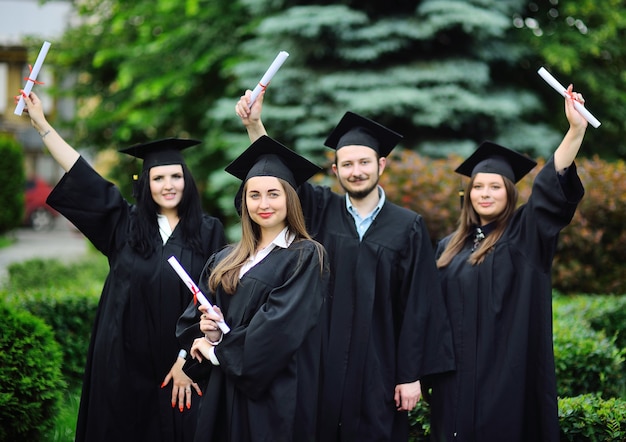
(12, 189)
(142, 70)
(582, 42)
(445, 73)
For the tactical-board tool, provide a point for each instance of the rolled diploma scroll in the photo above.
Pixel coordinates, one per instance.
(32, 77)
(195, 290)
(562, 90)
(265, 80)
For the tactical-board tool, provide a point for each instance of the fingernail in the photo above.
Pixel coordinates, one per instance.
(200, 393)
(181, 408)
(188, 405)
(173, 404)
(163, 384)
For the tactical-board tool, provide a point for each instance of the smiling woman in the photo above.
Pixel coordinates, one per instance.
(271, 288)
(495, 271)
(167, 185)
(132, 354)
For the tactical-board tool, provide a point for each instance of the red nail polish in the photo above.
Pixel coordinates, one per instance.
(181, 408)
(188, 405)
(163, 384)
(200, 393)
(173, 404)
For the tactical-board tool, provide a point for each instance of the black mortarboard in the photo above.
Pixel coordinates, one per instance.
(354, 129)
(490, 157)
(267, 157)
(160, 152)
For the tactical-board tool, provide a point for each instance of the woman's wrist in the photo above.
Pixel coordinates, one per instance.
(214, 343)
(44, 130)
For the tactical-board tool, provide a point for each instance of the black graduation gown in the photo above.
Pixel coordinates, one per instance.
(265, 388)
(387, 321)
(133, 341)
(504, 388)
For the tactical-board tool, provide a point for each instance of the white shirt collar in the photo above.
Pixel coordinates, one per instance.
(282, 240)
(164, 227)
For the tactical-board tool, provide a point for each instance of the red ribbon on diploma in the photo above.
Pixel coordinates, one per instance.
(194, 290)
(30, 68)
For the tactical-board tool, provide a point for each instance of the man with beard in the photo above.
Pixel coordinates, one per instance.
(387, 326)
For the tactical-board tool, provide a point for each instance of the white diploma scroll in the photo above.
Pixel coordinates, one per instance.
(195, 290)
(563, 91)
(32, 77)
(267, 77)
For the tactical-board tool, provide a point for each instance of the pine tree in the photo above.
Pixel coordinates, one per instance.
(444, 73)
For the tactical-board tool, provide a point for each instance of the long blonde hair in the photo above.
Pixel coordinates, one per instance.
(469, 219)
(226, 273)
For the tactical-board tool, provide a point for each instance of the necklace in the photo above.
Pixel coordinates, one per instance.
(481, 232)
(479, 235)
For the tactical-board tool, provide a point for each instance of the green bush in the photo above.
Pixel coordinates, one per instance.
(419, 422)
(30, 376)
(12, 189)
(587, 361)
(608, 313)
(590, 418)
(65, 296)
(582, 418)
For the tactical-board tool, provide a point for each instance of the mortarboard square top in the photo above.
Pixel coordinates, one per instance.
(267, 157)
(354, 129)
(490, 157)
(160, 152)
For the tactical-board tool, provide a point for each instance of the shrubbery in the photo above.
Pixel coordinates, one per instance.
(65, 297)
(30, 376)
(587, 361)
(590, 418)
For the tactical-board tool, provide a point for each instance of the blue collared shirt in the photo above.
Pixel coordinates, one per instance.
(363, 223)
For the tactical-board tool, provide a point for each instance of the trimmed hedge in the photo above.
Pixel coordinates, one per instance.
(587, 360)
(66, 298)
(30, 376)
(588, 417)
(608, 313)
(582, 418)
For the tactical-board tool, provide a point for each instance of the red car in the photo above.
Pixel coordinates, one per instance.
(38, 214)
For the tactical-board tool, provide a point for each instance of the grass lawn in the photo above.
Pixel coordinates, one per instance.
(6, 241)
(65, 423)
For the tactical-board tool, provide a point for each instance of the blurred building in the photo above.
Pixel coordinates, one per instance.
(24, 26)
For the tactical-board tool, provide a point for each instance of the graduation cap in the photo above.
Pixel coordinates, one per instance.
(490, 157)
(354, 129)
(160, 152)
(267, 157)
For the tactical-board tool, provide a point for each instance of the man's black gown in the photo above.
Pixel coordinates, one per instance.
(265, 388)
(133, 342)
(504, 388)
(387, 321)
